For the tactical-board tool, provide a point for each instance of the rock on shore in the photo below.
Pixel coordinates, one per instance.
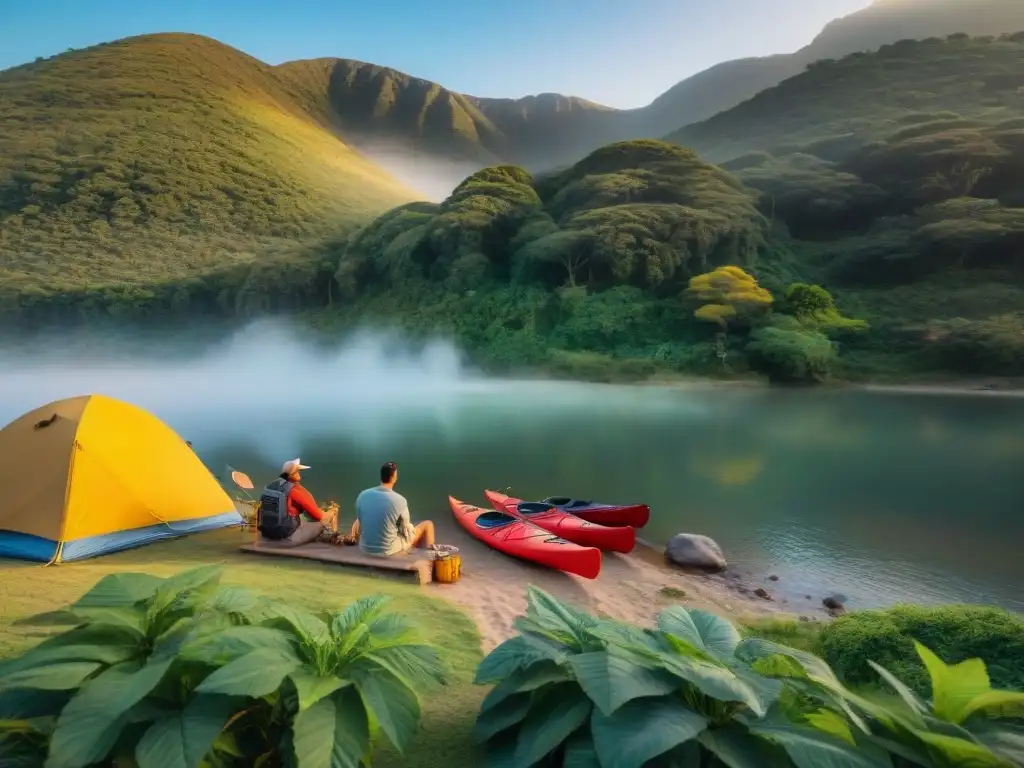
(691, 550)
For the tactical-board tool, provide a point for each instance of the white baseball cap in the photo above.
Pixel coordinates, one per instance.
(291, 465)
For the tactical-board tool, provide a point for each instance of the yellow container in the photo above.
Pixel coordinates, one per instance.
(448, 570)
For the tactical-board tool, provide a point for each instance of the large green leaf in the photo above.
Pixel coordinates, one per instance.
(623, 636)
(258, 673)
(234, 600)
(610, 680)
(916, 706)
(52, 677)
(494, 720)
(311, 688)
(183, 740)
(91, 722)
(528, 679)
(501, 751)
(953, 687)
(716, 681)
(554, 716)
(580, 753)
(641, 730)
(127, 617)
(736, 747)
(827, 721)
(360, 611)
(100, 643)
(1004, 738)
(313, 735)
(704, 630)
(553, 616)
(817, 669)
(120, 590)
(232, 643)
(308, 627)
(809, 748)
(392, 704)
(509, 656)
(996, 703)
(22, 703)
(961, 753)
(179, 587)
(419, 664)
(351, 729)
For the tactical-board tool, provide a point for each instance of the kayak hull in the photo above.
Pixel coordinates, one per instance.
(612, 515)
(566, 525)
(520, 538)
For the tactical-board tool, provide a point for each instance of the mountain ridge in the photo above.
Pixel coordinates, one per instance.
(383, 111)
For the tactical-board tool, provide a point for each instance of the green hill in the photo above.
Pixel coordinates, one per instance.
(836, 108)
(160, 158)
(725, 85)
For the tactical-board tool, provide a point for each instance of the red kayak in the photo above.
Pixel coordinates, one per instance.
(612, 515)
(520, 538)
(567, 526)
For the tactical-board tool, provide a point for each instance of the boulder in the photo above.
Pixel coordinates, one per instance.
(834, 606)
(763, 593)
(691, 550)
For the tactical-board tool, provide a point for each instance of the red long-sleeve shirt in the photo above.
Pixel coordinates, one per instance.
(300, 500)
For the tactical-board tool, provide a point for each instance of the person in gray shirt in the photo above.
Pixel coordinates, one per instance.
(383, 524)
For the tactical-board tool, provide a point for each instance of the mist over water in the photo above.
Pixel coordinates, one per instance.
(885, 498)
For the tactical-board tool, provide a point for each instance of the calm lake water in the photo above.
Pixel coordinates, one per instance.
(882, 497)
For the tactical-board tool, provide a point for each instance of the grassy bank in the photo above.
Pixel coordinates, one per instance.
(448, 715)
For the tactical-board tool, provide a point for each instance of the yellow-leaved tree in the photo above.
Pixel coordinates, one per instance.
(728, 295)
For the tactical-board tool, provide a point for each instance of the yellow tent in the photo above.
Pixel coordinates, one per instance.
(91, 475)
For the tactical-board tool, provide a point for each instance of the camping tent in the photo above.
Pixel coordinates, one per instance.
(91, 475)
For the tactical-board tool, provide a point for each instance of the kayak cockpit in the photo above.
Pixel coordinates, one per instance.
(534, 507)
(565, 501)
(490, 520)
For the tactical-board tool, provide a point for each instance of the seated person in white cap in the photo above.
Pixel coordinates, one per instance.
(288, 512)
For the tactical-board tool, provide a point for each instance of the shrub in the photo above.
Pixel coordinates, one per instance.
(955, 632)
(791, 356)
(173, 672)
(816, 310)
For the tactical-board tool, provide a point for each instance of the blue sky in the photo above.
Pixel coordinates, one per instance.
(617, 52)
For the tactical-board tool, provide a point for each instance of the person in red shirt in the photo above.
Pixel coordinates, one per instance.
(301, 520)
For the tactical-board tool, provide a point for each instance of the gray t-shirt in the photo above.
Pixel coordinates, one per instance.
(384, 524)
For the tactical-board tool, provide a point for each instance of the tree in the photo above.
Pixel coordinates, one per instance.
(728, 294)
(816, 310)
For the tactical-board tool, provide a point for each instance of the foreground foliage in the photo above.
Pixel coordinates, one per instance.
(574, 690)
(180, 672)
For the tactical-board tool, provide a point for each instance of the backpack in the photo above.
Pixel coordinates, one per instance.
(275, 522)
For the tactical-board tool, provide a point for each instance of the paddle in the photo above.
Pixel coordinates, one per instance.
(245, 484)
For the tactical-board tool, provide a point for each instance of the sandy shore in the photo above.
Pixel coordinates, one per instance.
(632, 588)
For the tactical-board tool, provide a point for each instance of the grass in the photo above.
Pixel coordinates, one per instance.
(448, 713)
